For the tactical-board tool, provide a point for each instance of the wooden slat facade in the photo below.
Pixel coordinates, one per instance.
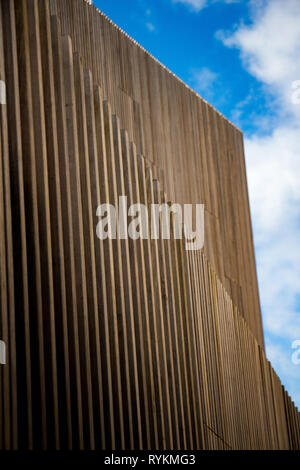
(122, 344)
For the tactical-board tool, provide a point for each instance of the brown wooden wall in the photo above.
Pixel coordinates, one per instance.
(122, 344)
(198, 154)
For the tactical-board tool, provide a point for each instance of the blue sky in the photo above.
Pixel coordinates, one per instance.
(243, 56)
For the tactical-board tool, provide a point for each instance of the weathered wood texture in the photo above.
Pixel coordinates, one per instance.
(198, 154)
(122, 344)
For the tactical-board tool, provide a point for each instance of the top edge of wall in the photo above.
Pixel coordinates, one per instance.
(90, 3)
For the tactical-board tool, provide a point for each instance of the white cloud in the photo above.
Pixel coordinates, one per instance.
(273, 168)
(270, 47)
(197, 5)
(270, 51)
(203, 81)
(150, 26)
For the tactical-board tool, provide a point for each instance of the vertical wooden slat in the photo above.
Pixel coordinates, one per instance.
(129, 323)
(32, 227)
(22, 408)
(64, 435)
(81, 328)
